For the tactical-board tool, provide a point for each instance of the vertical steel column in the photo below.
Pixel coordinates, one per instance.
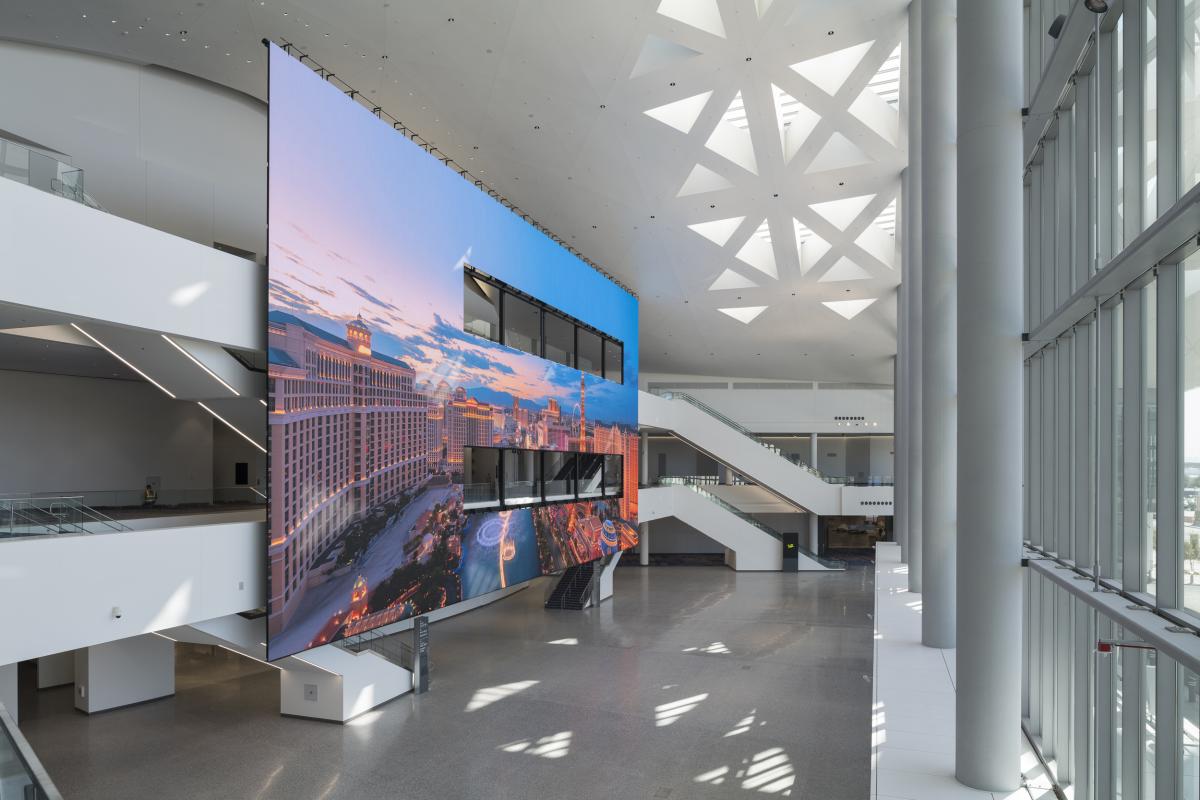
(988, 711)
(644, 480)
(912, 276)
(939, 301)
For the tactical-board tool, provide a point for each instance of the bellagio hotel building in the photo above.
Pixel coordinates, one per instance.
(348, 433)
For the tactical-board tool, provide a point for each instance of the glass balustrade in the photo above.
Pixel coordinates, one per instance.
(26, 165)
(21, 774)
(699, 489)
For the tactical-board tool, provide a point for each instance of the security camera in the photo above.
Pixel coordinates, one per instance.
(116, 612)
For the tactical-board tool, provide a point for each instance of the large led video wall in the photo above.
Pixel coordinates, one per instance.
(376, 391)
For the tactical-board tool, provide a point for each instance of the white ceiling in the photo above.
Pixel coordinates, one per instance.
(698, 206)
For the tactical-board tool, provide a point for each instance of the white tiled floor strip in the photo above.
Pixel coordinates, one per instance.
(912, 754)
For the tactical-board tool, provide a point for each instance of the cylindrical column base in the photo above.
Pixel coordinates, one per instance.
(644, 544)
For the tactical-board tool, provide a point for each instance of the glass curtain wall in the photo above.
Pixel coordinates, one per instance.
(1112, 402)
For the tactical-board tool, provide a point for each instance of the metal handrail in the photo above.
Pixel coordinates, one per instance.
(832, 563)
(28, 515)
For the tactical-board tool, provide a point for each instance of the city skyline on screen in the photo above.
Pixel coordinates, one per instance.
(375, 390)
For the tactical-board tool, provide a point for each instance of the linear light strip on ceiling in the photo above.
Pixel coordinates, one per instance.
(231, 426)
(196, 361)
(113, 353)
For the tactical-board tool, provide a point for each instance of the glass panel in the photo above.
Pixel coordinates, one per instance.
(1150, 116)
(613, 475)
(1150, 421)
(1189, 741)
(481, 477)
(1117, 227)
(560, 340)
(481, 307)
(589, 351)
(522, 325)
(590, 472)
(1189, 90)
(614, 361)
(521, 478)
(558, 475)
(1118, 405)
(1190, 342)
(1147, 658)
(1118, 726)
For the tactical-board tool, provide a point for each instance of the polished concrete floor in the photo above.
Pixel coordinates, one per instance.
(693, 682)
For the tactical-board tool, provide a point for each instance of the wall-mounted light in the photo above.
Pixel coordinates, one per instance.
(1057, 25)
(197, 362)
(231, 426)
(1096, 6)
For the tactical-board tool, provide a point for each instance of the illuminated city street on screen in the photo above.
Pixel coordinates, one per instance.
(375, 389)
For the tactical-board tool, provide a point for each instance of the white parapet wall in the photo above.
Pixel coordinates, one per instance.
(69, 591)
(61, 257)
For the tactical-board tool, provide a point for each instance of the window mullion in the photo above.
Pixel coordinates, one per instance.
(1169, 438)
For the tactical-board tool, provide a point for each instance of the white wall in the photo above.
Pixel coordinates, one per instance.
(122, 673)
(158, 147)
(671, 535)
(159, 579)
(228, 449)
(71, 434)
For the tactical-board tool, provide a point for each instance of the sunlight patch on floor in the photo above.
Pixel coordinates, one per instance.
(668, 713)
(491, 694)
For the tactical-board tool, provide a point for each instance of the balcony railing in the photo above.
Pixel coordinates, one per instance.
(23, 164)
(21, 774)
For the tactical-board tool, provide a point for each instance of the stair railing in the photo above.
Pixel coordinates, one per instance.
(831, 563)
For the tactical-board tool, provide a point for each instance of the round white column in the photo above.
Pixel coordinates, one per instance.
(912, 278)
(939, 397)
(988, 732)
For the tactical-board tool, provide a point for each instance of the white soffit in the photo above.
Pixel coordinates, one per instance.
(746, 314)
(831, 70)
(681, 114)
(659, 53)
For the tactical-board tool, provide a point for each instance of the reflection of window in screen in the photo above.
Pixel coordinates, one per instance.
(590, 471)
(589, 351)
(558, 475)
(614, 357)
(613, 475)
(481, 477)
(522, 325)
(521, 478)
(560, 340)
(481, 307)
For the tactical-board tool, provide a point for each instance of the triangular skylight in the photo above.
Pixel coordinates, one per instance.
(877, 115)
(764, 231)
(702, 14)
(762, 6)
(812, 249)
(658, 53)
(746, 314)
(796, 121)
(760, 255)
(848, 309)
(886, 82)
(844, 270)
(802, 231)
(681, 114)
(831, 70)
(887, 218)
(731, 137)
(879, 244)
(717, 231)
(731, 280)
(838, 153)
(842, 212)
(702, 180)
